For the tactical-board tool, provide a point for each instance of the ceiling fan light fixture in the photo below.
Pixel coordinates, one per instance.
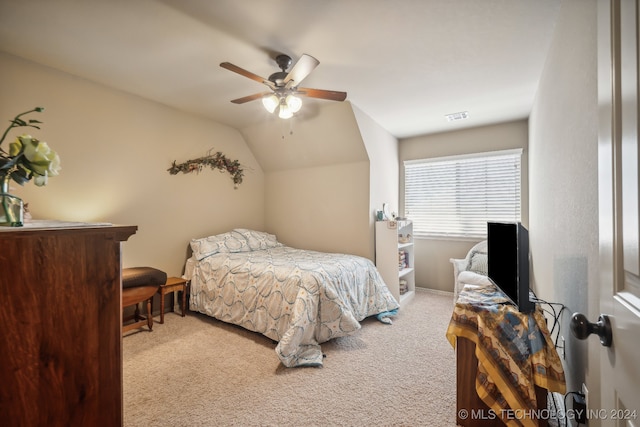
(285, 86)
(294, 103)
(270, 102)
(285, 111)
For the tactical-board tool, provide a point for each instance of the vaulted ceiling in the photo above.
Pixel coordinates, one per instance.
(405, 63)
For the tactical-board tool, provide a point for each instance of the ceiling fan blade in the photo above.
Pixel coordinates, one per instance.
(250, 98)
(305, 65)
(332, 95)
(229, 66)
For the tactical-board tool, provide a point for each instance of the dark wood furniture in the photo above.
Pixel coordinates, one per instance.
(139, 285)
(61, 317)
(173, 284)
(135, 296)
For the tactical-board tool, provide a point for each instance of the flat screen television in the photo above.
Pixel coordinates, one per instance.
(508, 259)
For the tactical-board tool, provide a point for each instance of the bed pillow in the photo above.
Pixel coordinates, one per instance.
(471, 278)
(258, 240)
(477, 258)
(479, 263)
(225, 242)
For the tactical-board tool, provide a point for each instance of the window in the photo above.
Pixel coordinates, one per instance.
(456, 196)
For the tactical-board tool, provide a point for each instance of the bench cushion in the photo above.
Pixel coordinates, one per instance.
(142, 276)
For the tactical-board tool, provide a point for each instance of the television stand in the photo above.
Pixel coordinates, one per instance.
(497, 348)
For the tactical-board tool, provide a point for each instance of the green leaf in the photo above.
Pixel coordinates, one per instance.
(20, 176)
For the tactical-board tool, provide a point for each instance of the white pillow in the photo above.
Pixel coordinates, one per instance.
(258, 240)
(479, 263)
(471, 278)
(225, 242)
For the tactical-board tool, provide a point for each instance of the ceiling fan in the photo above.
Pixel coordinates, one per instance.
(285, 89)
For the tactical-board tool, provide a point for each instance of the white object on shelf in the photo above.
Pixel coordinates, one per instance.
(395, 257)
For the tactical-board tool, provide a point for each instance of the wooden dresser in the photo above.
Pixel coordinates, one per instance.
(61, 320)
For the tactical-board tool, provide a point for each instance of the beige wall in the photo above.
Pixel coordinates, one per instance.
(324, 177)
(316, 180)
(382, 148)
(433, 269)
(328, 137)
(564, 184)
(323, 208)
(116, 149)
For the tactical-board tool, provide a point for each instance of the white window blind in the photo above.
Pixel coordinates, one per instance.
(456, 196)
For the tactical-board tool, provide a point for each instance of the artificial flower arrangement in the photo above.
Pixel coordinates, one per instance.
(26, 158)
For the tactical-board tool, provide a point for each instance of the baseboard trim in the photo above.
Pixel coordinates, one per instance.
(434, 291)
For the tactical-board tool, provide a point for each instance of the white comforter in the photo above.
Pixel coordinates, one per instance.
(299, 298)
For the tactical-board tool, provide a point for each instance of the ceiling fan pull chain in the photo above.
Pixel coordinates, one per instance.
(283, 123)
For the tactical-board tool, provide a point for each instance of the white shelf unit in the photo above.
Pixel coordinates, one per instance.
(395, 257)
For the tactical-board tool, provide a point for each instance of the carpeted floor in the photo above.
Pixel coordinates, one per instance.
(198, 371)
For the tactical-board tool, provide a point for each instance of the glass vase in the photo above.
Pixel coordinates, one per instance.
(11, 207)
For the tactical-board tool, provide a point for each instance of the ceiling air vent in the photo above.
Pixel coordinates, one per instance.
(457, 116)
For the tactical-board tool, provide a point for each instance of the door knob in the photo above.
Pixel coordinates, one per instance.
(582, 328)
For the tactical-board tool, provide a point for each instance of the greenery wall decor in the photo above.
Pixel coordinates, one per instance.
(215, 160)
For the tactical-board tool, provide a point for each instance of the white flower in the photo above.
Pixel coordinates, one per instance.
(28, 157)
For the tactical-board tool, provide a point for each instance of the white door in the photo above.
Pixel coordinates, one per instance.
(618, 44)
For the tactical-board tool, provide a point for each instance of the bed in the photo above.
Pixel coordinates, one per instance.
(299, 298)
